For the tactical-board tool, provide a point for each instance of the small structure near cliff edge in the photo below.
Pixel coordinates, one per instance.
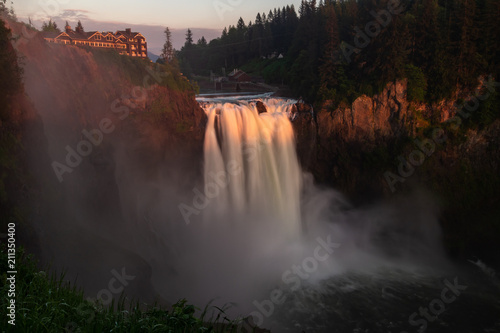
(126, 42)
(239, 76)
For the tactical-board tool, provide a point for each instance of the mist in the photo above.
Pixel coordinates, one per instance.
(230, 220)
(250, 223)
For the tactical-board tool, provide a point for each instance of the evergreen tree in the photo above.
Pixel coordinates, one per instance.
(79, 27)
(441, 46)
(465, 33)
(202, 42)
(240, 25)
(50, 27)
(189, 38)
(167, 53)
(257, 36)
(328, 80)
(490, 43)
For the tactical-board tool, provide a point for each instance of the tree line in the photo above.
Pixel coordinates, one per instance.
(340, 49)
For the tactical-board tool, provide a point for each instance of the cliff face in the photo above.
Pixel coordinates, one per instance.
(77, 88)
(113, 135)
(335, 141)
(369, 119)
(17, 119)
(383, 146)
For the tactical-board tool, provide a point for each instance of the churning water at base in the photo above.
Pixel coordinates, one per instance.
(298, 258)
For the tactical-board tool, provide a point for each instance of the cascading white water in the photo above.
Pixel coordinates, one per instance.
(244, 241)
(256, 155)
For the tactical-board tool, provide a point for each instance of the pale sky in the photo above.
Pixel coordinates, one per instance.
(177, 14)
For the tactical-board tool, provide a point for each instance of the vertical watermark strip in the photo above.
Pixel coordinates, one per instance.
(11, 274)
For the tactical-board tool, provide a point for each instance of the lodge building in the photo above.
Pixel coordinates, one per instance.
(126, 42)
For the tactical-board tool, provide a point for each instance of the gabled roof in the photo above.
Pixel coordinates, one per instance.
(80, 35)
(109, 33)
(52, 34)
(129, 34)
(237, 73)
(94, 33)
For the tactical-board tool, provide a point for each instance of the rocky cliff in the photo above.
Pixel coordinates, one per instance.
(384, 145)
(109, 133)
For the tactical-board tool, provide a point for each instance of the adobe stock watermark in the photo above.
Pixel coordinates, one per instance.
(372, 29)
(426, 147)
(292, 278)
(224, 6)
(116, 286)
(94, 137)
(437, 306)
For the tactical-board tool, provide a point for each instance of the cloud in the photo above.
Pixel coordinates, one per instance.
(74, 14)
(64, 15)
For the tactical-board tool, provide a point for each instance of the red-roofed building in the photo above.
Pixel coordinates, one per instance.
(238, 75)
(126, 42)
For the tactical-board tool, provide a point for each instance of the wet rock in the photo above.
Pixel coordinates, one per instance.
(302, 108)
(261, 108)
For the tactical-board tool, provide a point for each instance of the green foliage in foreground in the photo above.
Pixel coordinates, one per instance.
(47, 303)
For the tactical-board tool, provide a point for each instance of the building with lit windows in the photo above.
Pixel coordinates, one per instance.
(126, 42)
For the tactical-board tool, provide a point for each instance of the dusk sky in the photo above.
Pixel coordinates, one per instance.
(150, 17)
(213, 14)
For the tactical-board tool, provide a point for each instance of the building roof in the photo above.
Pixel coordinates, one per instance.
(51, 34)
(238, 73)
(129, 34)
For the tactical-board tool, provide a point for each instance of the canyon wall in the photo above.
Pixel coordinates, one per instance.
(108, 135)
(384, 146)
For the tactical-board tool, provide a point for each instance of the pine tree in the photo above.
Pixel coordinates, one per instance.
(465, 33)
(491, 37)
(189, 38)
(258, 36)
(241, 25)
(50, 27)
(167, 53)
(79, 27)
(327, 70)
(202, 41)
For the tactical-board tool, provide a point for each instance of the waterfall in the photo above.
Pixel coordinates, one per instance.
(245, 242)
(251, 163)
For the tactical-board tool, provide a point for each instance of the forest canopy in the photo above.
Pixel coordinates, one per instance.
(340, 49)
